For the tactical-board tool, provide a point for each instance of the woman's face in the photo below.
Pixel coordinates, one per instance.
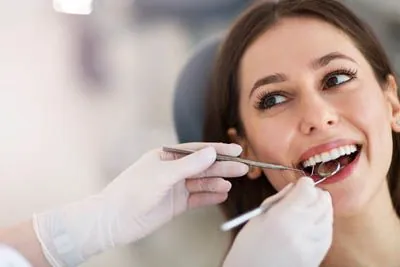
(307, 95)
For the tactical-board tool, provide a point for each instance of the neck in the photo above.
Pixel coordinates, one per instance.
(370, 238)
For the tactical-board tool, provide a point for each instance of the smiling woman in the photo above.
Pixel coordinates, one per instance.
(298, 83)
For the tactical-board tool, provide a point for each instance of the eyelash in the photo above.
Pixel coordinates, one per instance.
(352, 73)
(262, 96)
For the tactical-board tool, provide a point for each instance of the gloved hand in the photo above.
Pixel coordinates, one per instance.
(297, 231)
(148, 194)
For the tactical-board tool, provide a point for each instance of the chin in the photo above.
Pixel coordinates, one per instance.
(345, 207)
(355, 196)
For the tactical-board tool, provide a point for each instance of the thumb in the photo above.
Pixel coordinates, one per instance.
(192, 164)
(304, 193)
(281, 194)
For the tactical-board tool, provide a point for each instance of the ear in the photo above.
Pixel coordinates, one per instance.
(247, 153)
(394, 103)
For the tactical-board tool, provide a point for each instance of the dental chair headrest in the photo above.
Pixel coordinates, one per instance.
(191, 91)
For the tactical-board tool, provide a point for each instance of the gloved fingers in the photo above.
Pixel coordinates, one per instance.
(315, 252)
(196, 200)
(323, 225)
(303, 194)
(212, 185)
(225, 169)
(321, 231)
(221, 148)
(320, 238)
(320, 210)
(325, 200)
(190, 165)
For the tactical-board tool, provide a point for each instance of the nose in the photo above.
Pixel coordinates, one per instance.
(317, 114)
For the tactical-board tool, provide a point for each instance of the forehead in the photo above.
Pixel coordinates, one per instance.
(294, 42)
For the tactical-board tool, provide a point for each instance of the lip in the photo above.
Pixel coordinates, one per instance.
(324, 148)
(343, 173)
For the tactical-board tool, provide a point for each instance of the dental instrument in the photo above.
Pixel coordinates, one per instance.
(220, 157)
(323, 174)
(265, 207)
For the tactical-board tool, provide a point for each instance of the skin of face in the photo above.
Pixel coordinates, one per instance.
(310, 104)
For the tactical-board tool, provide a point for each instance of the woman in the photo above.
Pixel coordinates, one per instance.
(299, 82)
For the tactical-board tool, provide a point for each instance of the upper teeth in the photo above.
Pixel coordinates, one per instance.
(330, 155)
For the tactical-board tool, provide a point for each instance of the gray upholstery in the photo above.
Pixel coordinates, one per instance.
(190, 9)
(187, 5)
(190, 94)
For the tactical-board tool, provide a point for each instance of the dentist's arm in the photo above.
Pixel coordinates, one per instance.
(22, 237)
(148, 194)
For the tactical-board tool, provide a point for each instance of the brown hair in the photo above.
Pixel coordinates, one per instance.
(222, 111)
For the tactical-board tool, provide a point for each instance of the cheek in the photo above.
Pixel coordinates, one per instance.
(371, 114)
(377, 123)
(366, 113)
(269, 143)
(370, 110)
(263, 143)
(279, 179)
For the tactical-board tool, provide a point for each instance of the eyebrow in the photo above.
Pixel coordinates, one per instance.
(315, 64)
(325, 60)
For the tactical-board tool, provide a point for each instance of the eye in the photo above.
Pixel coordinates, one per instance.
(339, 77)
(270, 100)
(337, 80)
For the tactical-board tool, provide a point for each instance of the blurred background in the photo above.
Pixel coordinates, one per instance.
(83, 96)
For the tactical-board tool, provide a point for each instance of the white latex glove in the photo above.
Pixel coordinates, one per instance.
(10, 257)
(145, 196)
(297, 231)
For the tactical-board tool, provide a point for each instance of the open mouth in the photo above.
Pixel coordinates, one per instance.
(344, 155)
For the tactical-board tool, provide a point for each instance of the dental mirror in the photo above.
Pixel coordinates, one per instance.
(324, 171)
